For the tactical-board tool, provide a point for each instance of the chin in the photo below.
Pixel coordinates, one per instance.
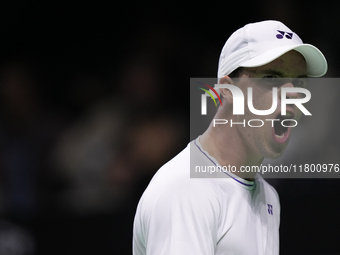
(275, 154)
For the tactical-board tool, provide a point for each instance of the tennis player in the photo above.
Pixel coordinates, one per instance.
(239, 214)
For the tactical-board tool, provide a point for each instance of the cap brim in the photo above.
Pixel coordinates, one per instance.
(316, 62)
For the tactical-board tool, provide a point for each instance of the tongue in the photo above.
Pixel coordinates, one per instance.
(279, 129)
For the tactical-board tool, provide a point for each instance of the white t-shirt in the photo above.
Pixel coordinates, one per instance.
(179, 215)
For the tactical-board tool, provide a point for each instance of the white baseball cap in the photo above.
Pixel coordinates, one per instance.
(257, 44)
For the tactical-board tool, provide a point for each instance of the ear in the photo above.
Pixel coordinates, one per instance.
(226, 93)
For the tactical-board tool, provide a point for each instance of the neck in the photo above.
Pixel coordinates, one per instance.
(226, 145)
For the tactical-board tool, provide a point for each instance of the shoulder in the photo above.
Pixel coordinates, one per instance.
(171, 189)
(172, 181)
(175, 204)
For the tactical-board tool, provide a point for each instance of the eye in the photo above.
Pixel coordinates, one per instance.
(300, 82)
(270, 77)
(271, 80)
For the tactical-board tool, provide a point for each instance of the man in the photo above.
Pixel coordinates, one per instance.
(241, 214)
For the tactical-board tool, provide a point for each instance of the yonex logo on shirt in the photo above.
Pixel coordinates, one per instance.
(282, 33)
(270, 209)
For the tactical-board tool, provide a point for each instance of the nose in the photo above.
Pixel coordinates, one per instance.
(289, 94)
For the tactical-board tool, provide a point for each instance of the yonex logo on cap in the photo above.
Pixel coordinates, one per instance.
(282, 33)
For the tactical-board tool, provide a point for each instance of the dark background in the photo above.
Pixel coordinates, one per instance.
(94, 99)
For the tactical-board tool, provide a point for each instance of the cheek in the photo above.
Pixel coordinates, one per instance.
(260, 100)
(298, 115)
(255, 138)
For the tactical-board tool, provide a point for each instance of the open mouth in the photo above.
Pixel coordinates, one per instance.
(281, 132)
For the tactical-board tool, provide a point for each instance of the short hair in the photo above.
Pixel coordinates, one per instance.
(236, 73)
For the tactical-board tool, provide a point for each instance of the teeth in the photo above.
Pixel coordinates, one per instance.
(280, 136)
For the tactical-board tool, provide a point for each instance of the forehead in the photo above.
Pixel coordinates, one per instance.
(291, 64)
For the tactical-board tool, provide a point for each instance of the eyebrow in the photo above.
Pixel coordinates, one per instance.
(278, 73)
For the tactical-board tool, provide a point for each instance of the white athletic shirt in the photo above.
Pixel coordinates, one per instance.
(179, 215)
